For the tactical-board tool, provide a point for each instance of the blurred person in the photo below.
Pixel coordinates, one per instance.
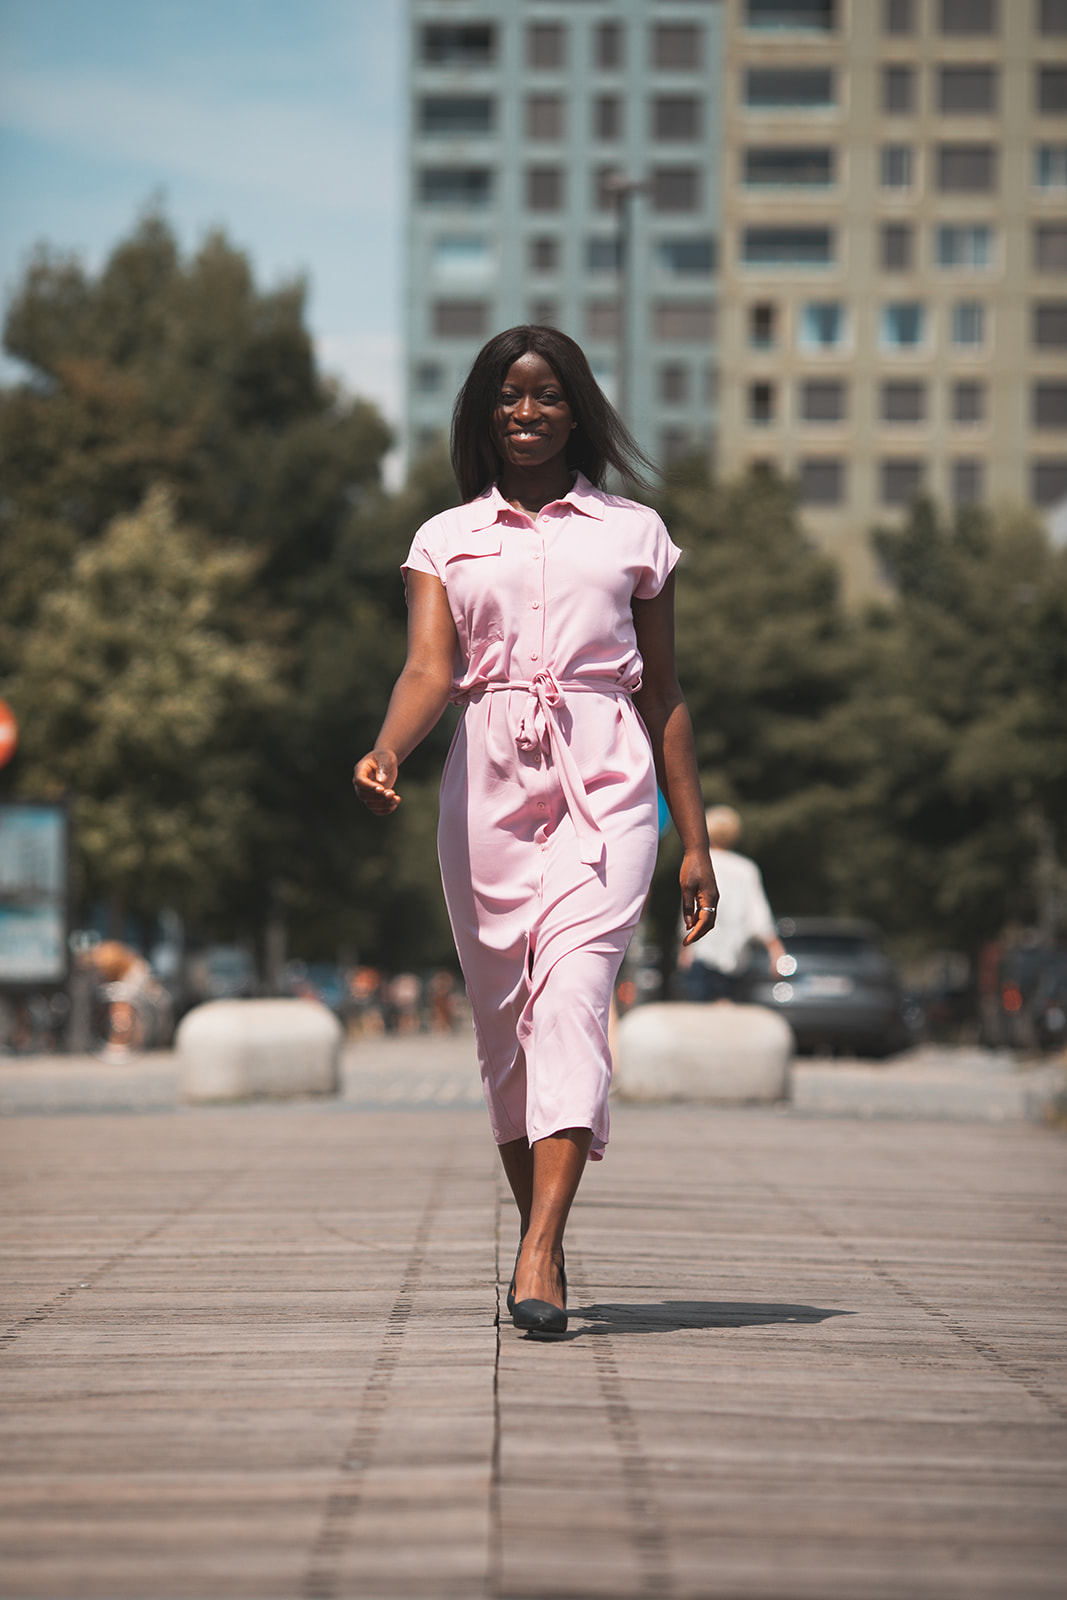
(441, 1001)
(403, 994)
(365, 989)
(545, 608)
(137, 1006)
(709, 970)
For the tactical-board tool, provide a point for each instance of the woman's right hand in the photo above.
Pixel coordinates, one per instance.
(373, 781)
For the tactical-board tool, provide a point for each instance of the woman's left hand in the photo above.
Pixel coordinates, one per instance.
(700, 895)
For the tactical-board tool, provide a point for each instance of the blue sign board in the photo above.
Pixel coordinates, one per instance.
(34, 860)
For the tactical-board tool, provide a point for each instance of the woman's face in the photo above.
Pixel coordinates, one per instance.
(533, 420)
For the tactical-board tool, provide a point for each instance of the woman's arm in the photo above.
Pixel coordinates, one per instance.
(663, 711)
(419, 696)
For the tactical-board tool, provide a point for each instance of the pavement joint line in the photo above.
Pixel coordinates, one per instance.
(495, 1563)
(94, 1276)
(322, 1576)
(646, 1525)
(987, 1352)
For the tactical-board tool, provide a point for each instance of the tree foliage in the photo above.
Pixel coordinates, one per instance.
(135, 696)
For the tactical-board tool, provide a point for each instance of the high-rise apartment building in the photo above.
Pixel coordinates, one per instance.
(564, 168)
(894, 255)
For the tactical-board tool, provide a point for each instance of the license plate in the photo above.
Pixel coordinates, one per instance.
(828, 984)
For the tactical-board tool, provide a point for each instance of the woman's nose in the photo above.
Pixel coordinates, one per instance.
(526, 407)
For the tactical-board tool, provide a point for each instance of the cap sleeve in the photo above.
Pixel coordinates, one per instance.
(424, 555)
(660, 557)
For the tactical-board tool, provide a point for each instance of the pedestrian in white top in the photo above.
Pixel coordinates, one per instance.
(709, 969)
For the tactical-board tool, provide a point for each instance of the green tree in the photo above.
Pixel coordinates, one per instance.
(766, 656)
(134, 694)
(961, 718)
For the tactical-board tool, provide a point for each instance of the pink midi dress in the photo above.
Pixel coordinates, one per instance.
(548, 821)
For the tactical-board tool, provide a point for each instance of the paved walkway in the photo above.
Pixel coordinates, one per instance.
(254, 1351)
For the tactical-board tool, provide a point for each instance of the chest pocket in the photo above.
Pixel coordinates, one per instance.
(473, 581)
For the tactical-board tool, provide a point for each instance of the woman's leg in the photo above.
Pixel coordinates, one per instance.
(557, 1166)
(516, 1157)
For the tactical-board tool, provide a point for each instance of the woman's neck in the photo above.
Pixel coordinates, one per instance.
(532, 490)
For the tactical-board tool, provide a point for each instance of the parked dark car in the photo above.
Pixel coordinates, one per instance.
(835, 987)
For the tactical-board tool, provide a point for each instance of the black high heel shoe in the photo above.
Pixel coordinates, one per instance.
(510, 1299)
(539, 1317)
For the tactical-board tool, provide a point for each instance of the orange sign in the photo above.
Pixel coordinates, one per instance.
(9, 733)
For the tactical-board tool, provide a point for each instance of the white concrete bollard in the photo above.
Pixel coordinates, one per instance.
(245, 1049)
(722, 1053)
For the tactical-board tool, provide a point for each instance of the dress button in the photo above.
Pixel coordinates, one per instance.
(537, 605)
(537, 555)
(541, 806)
(533, 655)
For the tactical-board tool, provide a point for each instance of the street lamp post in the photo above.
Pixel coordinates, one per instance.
(625, 191)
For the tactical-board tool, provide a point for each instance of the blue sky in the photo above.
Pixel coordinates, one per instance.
(279, 120)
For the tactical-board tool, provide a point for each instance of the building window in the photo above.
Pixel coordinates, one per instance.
(1048, 406)
(456, 114)
(605, 195)
(544, 188)
(789, 166)
(603, 255)
(675, 189)
(675, 444)
(898, 17)
(964, 245)
(901, 481)
(808, 16)
(460, 319)
(462, 256)
(1049, 324)
(823, 400)
(898, 90)
(897, 166)
(544, 253)
(692, 324)
(761, 404)
(968, 483)
(763, 325)
(678, 45)
(968, 403)
(966, 168)
(674, 385)
(1051, 96)
(904, 402)
(903, 325)
(545, 45)
(687, 258)
(789, 88)
(607, 117)
(968, 16)
(602, 319)
(968, 324)
(607, 46)
(1050, 166)
(676, 117)
(544, 116)
(898, 247)
(822, 481)
(466, 45)
(1052, 16)
(788, 247)
(967, 90)
(455, 186)
(428, 378)
(1050, 247)
(822, 325)
(1048, 480)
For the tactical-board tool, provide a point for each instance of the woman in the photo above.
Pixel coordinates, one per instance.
(544, 607)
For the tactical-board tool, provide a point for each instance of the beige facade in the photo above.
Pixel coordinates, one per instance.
(894, 256)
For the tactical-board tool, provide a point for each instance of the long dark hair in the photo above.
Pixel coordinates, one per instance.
(601, 439)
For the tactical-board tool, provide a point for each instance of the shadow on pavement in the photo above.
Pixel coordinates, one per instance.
(668, 1316)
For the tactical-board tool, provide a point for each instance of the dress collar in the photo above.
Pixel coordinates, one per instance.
(490, 505)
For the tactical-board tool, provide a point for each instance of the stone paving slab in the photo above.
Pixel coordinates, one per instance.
(254, 1351)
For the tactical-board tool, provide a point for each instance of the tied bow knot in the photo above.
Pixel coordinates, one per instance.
(544, 697)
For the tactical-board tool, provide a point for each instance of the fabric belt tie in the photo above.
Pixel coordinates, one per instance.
(539, 729)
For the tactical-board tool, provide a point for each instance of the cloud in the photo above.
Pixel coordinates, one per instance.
(302, 154)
